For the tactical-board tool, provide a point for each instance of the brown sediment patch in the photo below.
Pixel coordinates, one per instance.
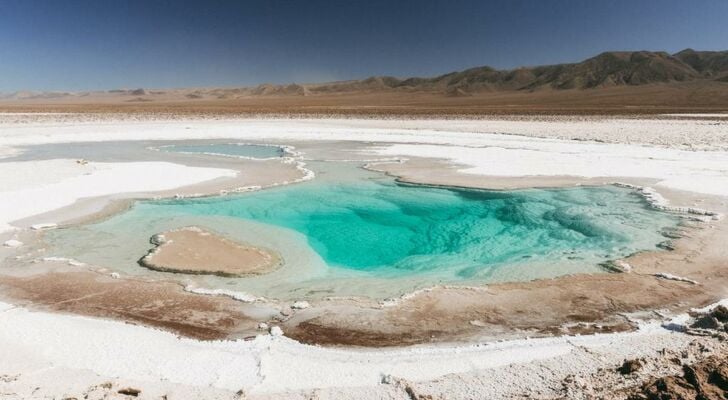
(159, 304)
(579, 304)
(191, 250)
(314, 333)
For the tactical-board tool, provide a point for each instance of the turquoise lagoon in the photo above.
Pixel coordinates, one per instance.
(352, 232)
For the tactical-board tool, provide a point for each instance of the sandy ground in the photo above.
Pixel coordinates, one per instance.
(676, 97)
(659, 286)
(191, 250)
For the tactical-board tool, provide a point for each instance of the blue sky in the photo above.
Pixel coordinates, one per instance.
(105, 44)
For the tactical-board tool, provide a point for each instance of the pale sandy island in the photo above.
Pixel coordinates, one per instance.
(75, 330)
(193, 250)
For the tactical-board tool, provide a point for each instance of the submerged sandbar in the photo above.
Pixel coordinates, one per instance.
(192, 250)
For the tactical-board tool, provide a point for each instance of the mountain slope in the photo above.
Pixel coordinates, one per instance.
(606, 70)
(707, 63)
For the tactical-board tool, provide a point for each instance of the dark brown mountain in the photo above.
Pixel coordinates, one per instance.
(707, 63)
(634, 78)
(605, 70)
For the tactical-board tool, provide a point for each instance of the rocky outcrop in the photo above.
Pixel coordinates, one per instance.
(704, 380)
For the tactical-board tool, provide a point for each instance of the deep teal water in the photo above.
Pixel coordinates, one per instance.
(228, 149)
(380, 226)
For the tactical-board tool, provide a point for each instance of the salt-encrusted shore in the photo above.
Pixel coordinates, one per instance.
(112, 355)
(35, 187)
(74, 355)
(699, 172)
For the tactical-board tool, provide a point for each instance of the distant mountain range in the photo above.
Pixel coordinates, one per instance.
(609, 69)
(606, 69)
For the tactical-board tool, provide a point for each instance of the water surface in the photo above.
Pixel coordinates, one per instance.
(243, 150)
(354, 232)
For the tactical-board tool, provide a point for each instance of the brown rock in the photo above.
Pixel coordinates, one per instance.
(705, 380)
(720, 313)
(707, 322)
(129, 392)
(630, 366)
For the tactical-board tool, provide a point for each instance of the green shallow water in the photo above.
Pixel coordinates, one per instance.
(352, 232)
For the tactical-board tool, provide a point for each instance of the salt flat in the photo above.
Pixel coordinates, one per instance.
(675, 132)
(678, 155)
